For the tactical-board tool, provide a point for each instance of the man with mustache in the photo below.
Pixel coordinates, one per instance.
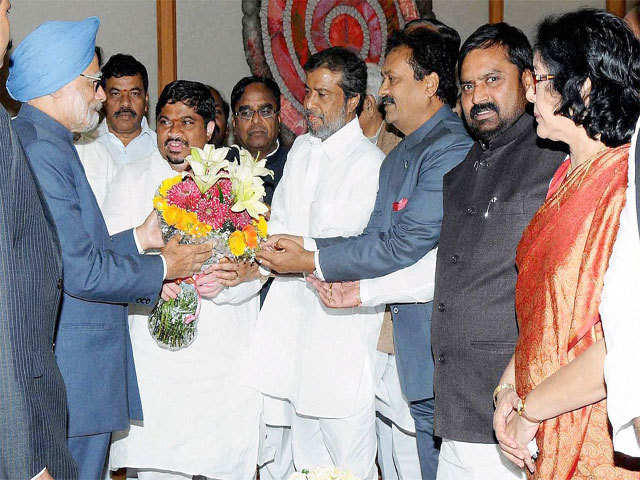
(101, 273)
(219, 436)
(404, 227)
(124, 134)
(488, 200)
(317, 362)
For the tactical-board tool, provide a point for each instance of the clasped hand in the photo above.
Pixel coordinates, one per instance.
(286, 254)
(215, 278)
(337, 294)
(514, 433)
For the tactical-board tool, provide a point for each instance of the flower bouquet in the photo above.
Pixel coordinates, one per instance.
(323, 473)
(219, 201)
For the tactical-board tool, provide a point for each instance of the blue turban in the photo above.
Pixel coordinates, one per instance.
(51, 56)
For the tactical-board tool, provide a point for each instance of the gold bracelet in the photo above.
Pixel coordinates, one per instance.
(521, 411)
(499, 388)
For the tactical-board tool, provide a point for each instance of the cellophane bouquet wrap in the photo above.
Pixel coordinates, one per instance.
(219, 201)
(323, 473)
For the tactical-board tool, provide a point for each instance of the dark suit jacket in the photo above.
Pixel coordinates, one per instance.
(101, 275)
(33, 404)
(275, 162)
(489, 199)
(397, 238)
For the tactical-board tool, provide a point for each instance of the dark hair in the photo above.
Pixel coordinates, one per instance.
(450, 35)
(352, 67)
(594, 45)
(240, 87)
(225, 105)
(194, 94)
(98, 51)
(503, 35)
(429, 54)
(121, 65)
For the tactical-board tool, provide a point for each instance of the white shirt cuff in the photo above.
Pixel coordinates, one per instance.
(141, 252)
(164, 268)
(365, 295)
(309, 244)
(39, 474)
(318, 271)
(135, 239)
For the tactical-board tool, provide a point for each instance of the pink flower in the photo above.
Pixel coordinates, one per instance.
(240, 219)
(212, 212)
(185, 194)
(225, 187)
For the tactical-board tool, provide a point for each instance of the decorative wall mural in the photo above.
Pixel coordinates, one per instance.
(280, 35)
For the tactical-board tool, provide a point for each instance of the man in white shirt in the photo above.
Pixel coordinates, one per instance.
(620, 314)
(124, 135)
(322, 361)
(198, 417)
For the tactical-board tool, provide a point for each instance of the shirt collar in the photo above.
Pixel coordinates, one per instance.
(416, 137)
(523, 126)
(340, 143)
(103, 128)
(275, 149)
(42, 119)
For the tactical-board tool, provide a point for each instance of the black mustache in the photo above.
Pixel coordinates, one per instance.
(476, 109)
(309, 112)
(175, 139)
(125, 110)
(387, 100)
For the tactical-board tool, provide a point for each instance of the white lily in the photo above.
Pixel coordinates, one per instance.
(208, 165)
(247, 186)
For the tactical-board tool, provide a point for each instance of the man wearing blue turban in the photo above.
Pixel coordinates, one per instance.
(55, 72)
(33, 406)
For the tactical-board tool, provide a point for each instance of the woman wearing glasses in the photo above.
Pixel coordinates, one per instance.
(585, 94)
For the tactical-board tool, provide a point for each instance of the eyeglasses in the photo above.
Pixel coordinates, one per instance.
(537, 78)
(95, 79)
(265, 112)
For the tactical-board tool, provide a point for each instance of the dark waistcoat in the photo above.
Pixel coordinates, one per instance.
(488, 201)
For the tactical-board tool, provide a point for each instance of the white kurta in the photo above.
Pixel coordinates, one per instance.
(322, 360)
(198, 418)
(620, 314)
(98, 166)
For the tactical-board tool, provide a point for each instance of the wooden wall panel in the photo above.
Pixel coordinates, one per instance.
(167, 45)
(496, 11)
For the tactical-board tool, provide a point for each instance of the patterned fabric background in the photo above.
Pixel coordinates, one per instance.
(280, 35)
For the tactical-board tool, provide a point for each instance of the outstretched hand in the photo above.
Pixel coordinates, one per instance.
(286, 255)
(230, 273)
(338, 294)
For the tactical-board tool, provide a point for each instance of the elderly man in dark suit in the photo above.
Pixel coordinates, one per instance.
(101, 273)
(33, 403)
(419, 83)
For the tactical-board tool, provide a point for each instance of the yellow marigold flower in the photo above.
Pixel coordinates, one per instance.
(166, 185)
(172, 214)
(186, 221)
(261, 226)
(159, 203)
(237, 244)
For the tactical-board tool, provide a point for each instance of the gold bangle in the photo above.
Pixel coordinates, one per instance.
(499, 388)
(521, 411)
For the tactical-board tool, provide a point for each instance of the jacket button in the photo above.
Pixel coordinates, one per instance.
(395, 310)
(441, 358)
(471, 210)
(441, 307)
(59, 284)
(454, 259)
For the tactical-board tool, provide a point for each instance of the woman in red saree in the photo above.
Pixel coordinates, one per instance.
(586, 94)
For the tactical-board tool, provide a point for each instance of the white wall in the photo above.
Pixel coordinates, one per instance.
(209, 38)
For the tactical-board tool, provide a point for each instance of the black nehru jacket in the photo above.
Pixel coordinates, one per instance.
(488, 201)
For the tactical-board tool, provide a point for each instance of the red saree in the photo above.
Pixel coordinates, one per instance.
(562, 258)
